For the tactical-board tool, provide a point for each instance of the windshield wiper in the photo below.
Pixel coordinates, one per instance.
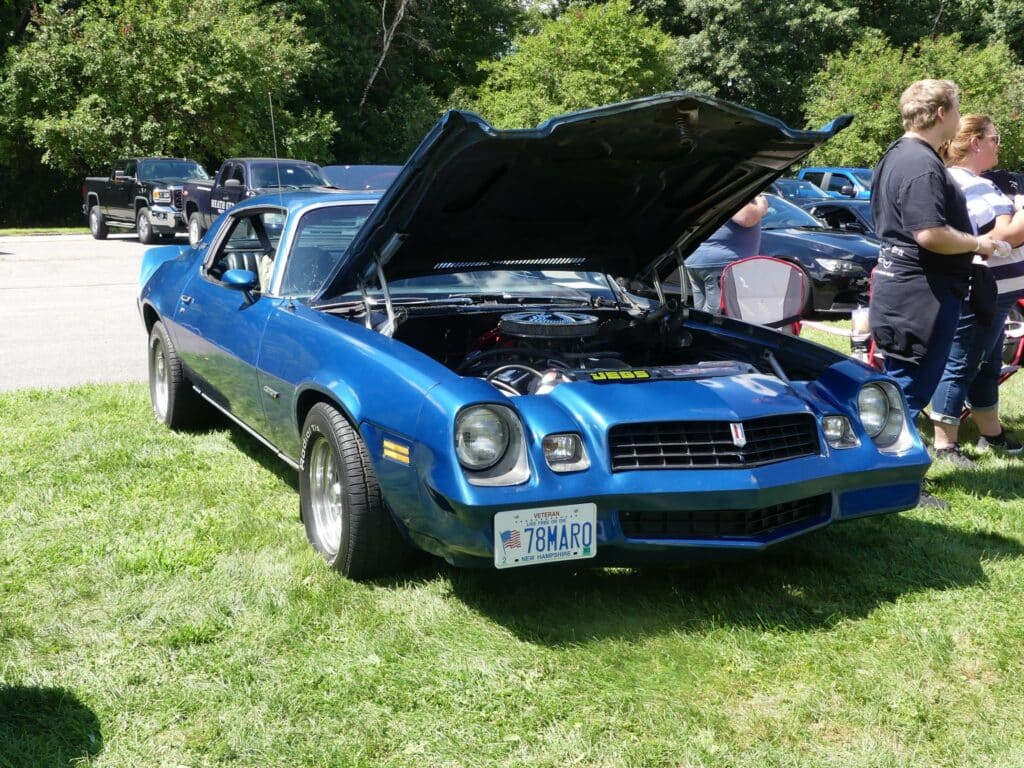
(508, 298)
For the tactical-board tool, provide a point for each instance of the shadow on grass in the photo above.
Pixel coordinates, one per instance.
(844, 572)
(263, 456)
(250, 446)
(1005, 483)
(45, 727)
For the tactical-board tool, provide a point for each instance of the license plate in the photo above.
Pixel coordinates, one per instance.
(545, 535)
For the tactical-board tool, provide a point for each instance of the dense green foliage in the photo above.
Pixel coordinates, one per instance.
(584, 58)
(361, 80)
(869, 79)
(110, 79)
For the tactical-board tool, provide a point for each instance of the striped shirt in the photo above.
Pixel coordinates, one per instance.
(985, 202)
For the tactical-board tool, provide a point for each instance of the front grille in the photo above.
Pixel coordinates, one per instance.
(710, 444)
(176, 198)
(720, 524)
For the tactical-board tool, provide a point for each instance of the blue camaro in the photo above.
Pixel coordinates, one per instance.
(482, 362)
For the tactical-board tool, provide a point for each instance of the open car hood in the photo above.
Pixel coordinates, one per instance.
(611, 190)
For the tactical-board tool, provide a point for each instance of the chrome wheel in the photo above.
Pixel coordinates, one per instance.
(142, 226)
(325, 495)
(159, 380)
(195, 233)
(94, 221)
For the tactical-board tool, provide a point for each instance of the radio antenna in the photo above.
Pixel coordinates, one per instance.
(277, 162)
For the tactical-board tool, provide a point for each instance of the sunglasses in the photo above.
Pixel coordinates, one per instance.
(994, 137)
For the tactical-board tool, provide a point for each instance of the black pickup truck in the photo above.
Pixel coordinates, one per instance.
(240, 178)
(143, 193)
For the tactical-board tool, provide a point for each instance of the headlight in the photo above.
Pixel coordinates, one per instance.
(881, 412)
(565, 452)
(481, 437)
(838, 265)
(839, 432)
(161, 195)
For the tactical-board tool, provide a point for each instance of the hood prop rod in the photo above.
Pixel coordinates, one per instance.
(389, 326)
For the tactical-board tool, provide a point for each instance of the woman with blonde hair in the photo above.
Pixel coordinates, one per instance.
(924, 263)
(971, 375)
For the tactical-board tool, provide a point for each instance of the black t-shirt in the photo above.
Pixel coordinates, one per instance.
(913, 191)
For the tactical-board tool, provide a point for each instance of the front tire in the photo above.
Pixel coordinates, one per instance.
(97, 223)
(196, 230)
(175, 403)
(340, 501)
(144, 227)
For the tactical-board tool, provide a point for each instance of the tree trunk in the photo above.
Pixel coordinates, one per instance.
(389, 35)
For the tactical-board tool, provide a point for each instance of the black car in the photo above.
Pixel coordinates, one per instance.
(837, 263)
(844, 215)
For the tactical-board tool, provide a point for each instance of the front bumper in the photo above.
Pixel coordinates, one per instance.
(165, 218)
(670, 517)
(835, 292)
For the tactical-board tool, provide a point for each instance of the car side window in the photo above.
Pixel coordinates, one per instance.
(238, 174)
(837, 181)
(251, 243)
(129, 168)
(814, 177)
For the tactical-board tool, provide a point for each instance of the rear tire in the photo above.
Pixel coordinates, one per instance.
(97, 223)
(144, 227)
(196, 230)
(340, 501)
(175, 403)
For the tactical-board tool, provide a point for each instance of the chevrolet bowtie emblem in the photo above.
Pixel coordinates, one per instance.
(739, 437)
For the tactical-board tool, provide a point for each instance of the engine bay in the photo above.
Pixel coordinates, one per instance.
(531, 352)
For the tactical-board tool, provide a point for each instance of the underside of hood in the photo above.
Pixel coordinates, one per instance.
(617, 189)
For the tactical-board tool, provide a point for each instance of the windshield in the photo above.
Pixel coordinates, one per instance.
(799, 188)
(292, 175)
(168, 169)
(864, 175)
(782, 214)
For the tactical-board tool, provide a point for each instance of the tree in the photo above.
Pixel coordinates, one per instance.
(868, 80)
(433, 48)
(586, 57)
(160, 77)
(760, 53)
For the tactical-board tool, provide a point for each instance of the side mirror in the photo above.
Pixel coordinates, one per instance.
(240, 279)
(847, 190)
(243, 280)
(232, 183)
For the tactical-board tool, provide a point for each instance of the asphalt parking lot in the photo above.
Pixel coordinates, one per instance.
(67, 311)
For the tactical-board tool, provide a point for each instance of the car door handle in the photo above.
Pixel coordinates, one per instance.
(185, 299)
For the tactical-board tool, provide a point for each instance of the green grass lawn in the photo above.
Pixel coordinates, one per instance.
(18, 231)
(159, 606)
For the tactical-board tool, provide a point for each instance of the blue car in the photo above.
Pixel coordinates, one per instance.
(466, 365)
(797, 190)
(841, 182)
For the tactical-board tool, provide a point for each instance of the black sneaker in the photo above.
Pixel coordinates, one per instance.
(1002, 443)
(953, 455)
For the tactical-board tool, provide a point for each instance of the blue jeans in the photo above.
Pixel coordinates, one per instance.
(971, 375)
(919, 379)
(706, 287)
